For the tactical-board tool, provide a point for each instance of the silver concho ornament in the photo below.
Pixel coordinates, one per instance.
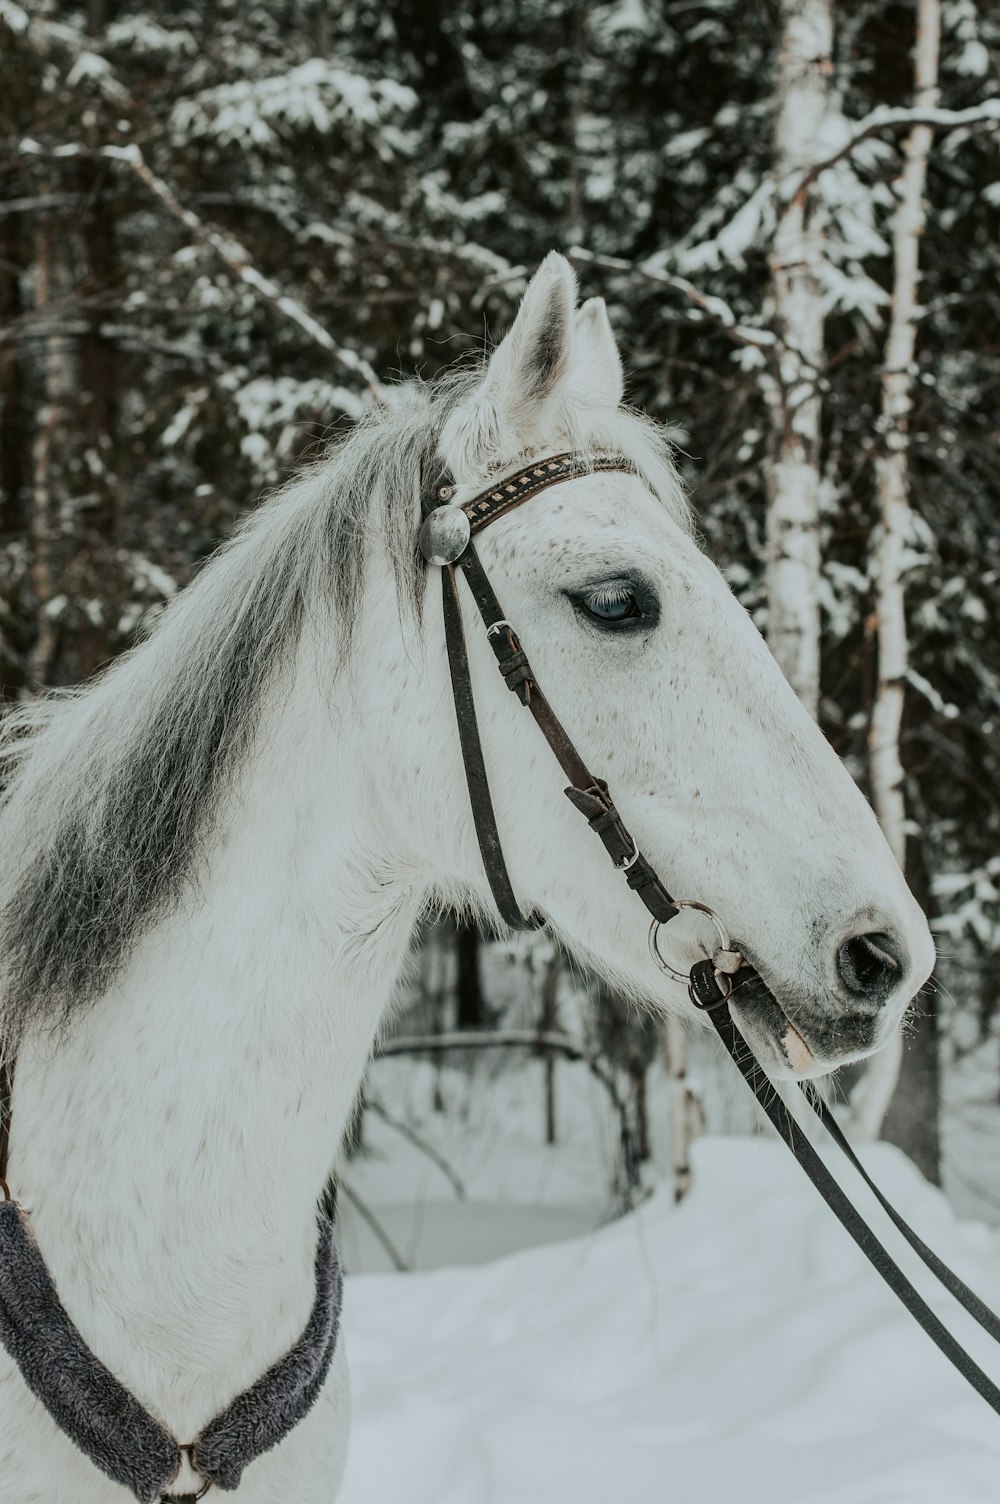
(444, 535)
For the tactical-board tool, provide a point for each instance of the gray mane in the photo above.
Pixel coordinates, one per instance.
(112, 790)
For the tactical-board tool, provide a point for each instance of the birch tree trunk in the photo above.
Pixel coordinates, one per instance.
(548, 1022)
(53, 454)
(686, 1119)
(873, 1094)
(793, 474)
(15, 458)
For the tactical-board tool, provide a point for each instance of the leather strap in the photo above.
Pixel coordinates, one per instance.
(854, 1224)
(587, 793)
(475, 765)
(966, 1298)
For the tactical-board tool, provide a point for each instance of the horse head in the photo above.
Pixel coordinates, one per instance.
(669, 691)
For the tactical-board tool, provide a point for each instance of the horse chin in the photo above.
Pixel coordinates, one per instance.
(798, 1051)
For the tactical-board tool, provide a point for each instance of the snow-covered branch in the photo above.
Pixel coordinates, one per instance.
(226, 248)
(888, 119)
(714, 308)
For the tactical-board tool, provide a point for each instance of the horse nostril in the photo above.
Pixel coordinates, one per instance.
(870, 965)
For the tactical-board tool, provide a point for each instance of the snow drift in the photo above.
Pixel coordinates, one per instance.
(735, 1347)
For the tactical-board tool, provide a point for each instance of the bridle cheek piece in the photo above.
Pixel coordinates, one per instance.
(446, 536)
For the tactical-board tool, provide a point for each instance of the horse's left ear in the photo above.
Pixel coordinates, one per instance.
(529, 362)
(595, 375)
(508, 410)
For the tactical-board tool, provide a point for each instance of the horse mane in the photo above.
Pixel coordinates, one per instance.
(112, 790)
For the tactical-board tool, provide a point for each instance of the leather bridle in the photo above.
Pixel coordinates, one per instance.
(446, 541)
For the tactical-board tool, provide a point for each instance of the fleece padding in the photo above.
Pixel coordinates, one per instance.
(108, 1423)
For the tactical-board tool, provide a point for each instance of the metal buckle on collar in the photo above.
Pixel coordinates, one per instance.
(187, 1450)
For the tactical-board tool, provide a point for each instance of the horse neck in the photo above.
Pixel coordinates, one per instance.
(172, 1145)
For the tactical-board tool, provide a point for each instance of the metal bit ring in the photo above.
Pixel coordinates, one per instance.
(725, 943)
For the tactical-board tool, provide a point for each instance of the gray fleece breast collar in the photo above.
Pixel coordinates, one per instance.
(108, 1423)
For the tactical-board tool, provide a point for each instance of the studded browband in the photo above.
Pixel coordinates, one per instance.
(515, 489)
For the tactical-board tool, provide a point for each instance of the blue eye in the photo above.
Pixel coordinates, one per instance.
(610, 606)
(621, 603)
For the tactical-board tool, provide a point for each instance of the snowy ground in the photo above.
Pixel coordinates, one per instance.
(736, 1347)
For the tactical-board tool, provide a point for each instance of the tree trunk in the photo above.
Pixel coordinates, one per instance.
(94, 570)
(792, 473)
(683, 1104)
(433, 986)
(15, 461)
(53, 452)
(469, 1010)
(548, 1022)
(640, 1112)
(913, 1119)
(873, 1094)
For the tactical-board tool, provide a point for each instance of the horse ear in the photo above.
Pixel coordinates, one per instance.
(529, 362)
(524, 371)
(596, 369)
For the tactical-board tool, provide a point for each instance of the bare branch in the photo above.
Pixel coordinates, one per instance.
(715, 309)
(41, 202)
(32, 326)
(366, 1214)
(419, 1142)
(533, 1039)
(230, 251)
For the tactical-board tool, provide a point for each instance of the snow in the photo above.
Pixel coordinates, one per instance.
(315, 95)
(280, 403)
(973, 61)
(978, 912)
(143, 35)
(14, 17)
(735, 1346)
(627, 15)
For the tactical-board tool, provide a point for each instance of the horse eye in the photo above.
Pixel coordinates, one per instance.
(609, 605)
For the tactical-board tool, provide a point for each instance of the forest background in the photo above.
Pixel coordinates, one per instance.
(226, 228)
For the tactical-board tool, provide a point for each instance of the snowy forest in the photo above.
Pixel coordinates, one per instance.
(226, 230)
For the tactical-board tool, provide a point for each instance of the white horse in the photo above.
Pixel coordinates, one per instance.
(215, 855)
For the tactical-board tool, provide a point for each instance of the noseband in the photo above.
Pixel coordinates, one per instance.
(446, 541)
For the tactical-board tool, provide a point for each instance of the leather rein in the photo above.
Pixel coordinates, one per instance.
(446, 542)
